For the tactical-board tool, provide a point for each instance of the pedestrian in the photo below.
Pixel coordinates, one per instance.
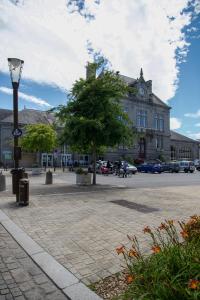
(125, 169)
(119, 165)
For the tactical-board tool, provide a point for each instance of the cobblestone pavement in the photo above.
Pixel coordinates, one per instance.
(82, 229)
(20, 277)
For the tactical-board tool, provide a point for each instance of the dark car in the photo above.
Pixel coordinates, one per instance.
(150, 168)
(172, 167)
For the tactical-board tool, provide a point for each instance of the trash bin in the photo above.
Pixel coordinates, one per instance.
(17, 174)
(24, 192)
(2, 182)
(49, 177)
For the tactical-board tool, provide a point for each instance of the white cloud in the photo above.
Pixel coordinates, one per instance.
(193, 115)
(26, 97)
(195, 136)
(197, 125)
(130, 33)
(175, 123)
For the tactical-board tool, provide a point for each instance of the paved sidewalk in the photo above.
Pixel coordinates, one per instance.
(81, 230)
(20, 277)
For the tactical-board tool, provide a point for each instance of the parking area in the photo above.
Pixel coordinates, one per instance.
(81, 226)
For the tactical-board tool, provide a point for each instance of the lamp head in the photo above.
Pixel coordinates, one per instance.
(15, 67)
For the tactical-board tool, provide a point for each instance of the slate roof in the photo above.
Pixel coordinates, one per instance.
(30, 116)
(182, 138)
(4, 113)
(155, 99)
(158, 101)
(127, 79)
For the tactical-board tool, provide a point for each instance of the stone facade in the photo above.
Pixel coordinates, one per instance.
(150, 117)
(26, 116)
(183, 148)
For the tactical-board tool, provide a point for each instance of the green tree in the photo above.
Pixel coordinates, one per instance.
(93, 118)
(39, 138)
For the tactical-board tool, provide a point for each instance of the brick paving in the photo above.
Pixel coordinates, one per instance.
(20, 277)
(81, 230)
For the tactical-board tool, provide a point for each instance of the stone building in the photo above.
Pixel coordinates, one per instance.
(25, 116)
(183, 148)
(151, 121)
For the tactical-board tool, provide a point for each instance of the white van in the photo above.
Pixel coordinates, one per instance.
(187, 166)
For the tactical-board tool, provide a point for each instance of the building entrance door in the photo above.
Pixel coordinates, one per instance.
(66, 160)
(47, 160)
(142, 148)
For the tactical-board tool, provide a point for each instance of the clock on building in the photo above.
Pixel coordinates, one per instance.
(141, 91)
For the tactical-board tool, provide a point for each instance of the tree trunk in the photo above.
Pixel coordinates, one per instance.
(94, 166)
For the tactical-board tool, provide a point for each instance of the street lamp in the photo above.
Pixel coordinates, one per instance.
(15, 67)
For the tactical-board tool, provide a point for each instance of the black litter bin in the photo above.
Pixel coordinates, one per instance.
(24, 191)
(17, 174)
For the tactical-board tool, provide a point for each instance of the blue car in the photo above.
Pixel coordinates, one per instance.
(150, 168)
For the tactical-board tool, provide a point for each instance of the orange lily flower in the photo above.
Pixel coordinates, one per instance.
(129, 279)
(184, 234)
(120, 249)
(147, 229)
(133, 253)
(193, 284)
(156, 249)
(163, 226)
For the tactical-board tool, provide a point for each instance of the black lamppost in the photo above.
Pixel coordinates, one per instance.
(15, 67)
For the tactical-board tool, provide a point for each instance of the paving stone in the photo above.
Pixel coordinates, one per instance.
(24, 280)
(20, 275)
(4, 292)
(9, 297)
(16, 292)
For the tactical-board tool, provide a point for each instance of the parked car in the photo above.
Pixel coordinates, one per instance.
(187, 166)
(172, 167)
(197, 164)
(131, 168)
(150, 168)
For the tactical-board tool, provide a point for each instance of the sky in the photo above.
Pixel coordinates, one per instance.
(55, 38)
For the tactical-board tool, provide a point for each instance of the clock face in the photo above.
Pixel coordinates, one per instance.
(141, 91)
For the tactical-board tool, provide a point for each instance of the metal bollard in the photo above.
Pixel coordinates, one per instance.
(49, 177)
(2, 182)
(24, 192)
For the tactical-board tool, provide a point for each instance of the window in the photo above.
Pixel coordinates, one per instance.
(159, 142)
(159, 122)
(141, 118)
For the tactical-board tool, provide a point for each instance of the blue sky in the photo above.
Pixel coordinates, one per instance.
(53, 40)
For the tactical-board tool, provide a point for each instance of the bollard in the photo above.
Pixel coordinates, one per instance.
(2, 182)
(24, 192)
(49, 177)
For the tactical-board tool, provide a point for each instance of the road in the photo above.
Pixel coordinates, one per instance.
(65, 182)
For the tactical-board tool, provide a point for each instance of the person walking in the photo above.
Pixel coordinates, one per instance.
(125, 169)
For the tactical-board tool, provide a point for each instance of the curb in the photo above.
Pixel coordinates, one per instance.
(63, 279)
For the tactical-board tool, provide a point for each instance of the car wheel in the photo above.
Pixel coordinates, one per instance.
(191, 171)
(177, 171)
(186, 171)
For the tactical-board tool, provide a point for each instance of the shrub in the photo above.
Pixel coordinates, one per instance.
(172, 271)
(81, 171)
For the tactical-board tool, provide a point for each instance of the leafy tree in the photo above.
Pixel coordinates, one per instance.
(39, 138)
(93, 117)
